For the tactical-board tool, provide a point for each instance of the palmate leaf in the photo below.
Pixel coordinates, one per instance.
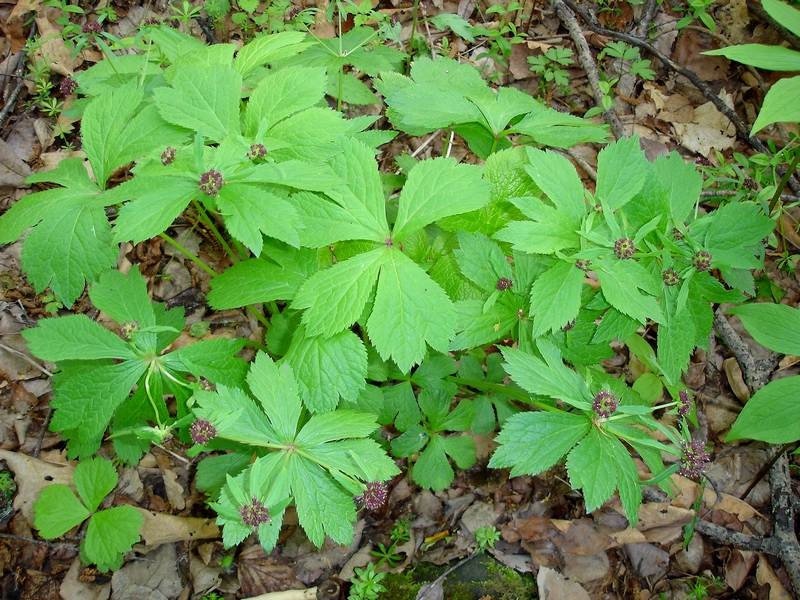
(621, 172)
(94, 479)
(481, 260)
(556, 297)
(592, 467)
(621, 281)
(75, 337)
(549, 377)
(283, 93)
(57, 511)
(111, 533)
(550, 231)
(557, 178)
(477, 325)
(432, 469)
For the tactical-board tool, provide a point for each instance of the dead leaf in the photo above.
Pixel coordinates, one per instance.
(648, 560)
(72, 588)
(736, 379)
(709, 129)
(260, 573)
(13, 170)
(53, 52)
(738, 567)
(553, 586)
(13, 27)
(766, 576)
(32, 475)
(154, 577)
(160, 528)
(175, 493)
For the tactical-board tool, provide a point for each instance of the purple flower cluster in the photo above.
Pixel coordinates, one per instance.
(703, 162)
(693, 458)
(684, 403)
(750, 184)
(210, 182)
(91, 27)
(254, 513)
(68, 86)
(604, 404)
(583, 265)
(624, 248)
(202, 432)
(702, 261)
(167, 156)
(374, 496)
(504, 283)
(256, 151)
(676, 233)
(671, 277)
(128, 328)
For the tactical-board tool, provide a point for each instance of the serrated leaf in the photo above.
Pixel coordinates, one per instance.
(621, 172)
(478, 326)
(557, 178)
(215, 359)
(75, 337)
(308, 135)
(772, 415)
(432, 469)
(328, 368)
(550, 231)
(549, 377)
(277, 389)
(323, 507)
(734, 234)
(325, 223)
(775, 326)
(110, 533)
(57, 511)
(157, 202)
(70, 247)
(336, 425)
(203, 99)
(532, 442)
(282, 93)
(556, 297)
(461, 448)
(550, 127)
(591, 467)
(410, 311)
(252, 281)
(335, 297)
(679, 182)
(429, 192)
(400, 406)
(267, 48)
(237, 417)
(123, 298)
(458, 419)
(621, 281)
(94, 479)
(676, 337)
(630, 490)
(481, 260)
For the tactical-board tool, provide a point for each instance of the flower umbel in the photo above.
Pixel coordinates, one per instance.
(604, 404)
(702, 261)
(671, 277)
(68, 86)
(168, 156)
(583, 265)
(210, 182)
(624, 248)
(202, 432)
(254, 513)
(374, 496)
(504, 283)
(693, 458)
(128, 328)
(684, 403)
(257, 151)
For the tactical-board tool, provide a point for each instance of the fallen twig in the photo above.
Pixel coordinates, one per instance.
(756, 371)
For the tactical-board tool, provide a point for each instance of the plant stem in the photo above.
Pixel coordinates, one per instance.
(209, 222)
(488, 385)
(784, 180)
(188, 254)
(261, 318)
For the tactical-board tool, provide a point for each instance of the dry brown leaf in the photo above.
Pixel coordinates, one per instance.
(766, 576)
(175, 493)
(32, 475)
(738, 567)
(160, 528)
(72, 588)
(53, 52)
(553, 586)
(709, 129)
(736, 379)
(13, 170)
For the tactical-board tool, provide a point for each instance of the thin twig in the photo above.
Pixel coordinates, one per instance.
(756, 371)
(26, 358)
(785, 33)
(785, 198)
(12, 98)
(11, 536)
(589, 66)
(38, 448)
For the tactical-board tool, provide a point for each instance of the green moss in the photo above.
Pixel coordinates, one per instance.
(480, 577)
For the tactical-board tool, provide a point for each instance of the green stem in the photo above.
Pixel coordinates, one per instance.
(488, 385)
(149, 394)
(261, 318)
(784, 180)
(188, 254)
(209, 222)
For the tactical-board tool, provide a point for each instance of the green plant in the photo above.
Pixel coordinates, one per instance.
(110, 532)
(486, 537)
(550, 66)
(7, 485)
(700, 587)
(366, 584)
(630, 62)
(400, 534)
(696, 9)
(185, 12)
(779, 104)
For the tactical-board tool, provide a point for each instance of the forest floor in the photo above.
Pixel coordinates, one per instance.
(545, 531)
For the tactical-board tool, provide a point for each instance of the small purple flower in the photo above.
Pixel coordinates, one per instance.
(504, 283)
(168, 156)
(750, 184)
(91, 27)
(374, 496)
(128, 328)
(210, 182)
(624, 248)
(583, 265)
(254, 513)
(202, 432)
(68, 86)
(684, 403)
(702, 261)
(703, 162)
(604, 404)
(671, 277)
(152, 21)
(293, 12)
(256, 151)
(568, 326)
(676, 233)
(693, 459)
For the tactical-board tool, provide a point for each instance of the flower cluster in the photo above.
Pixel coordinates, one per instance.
(254, 513)
(750, 184)
(693, 458)
(671, 277)
(202, 432)
(168, 156)
(256, 151)
(91, 27)
(703, 162)
(624, 248)
(210, 182)
(604, 404)
(128, 328)
(583, 265)
(684, 403)
(702, 261)
(504, 283)
(676, 233)
(68, 86)
(374, 496)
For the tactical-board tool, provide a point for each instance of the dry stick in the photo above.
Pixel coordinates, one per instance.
(11, 536)
(741, 128)
(759, 11)
(589, 66)
(756, 371)
(12, 98)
